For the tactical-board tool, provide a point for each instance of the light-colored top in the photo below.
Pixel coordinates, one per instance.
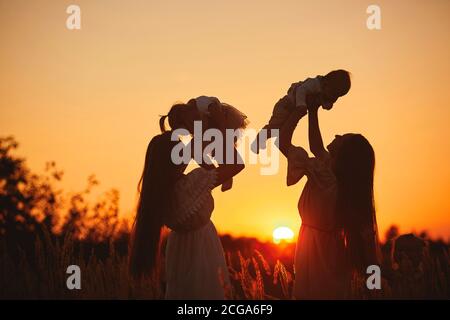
(309, 86)
(319, 258)
(195, 261)
(318, 200)
(284, 107)
(192, 201)
(203, 103)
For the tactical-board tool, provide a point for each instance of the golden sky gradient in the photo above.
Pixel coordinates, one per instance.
(90, 99)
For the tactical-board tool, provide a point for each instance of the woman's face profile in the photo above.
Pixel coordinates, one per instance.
(335, 145)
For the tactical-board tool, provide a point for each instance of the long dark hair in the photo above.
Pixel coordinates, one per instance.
(354, 168)
(155, 185)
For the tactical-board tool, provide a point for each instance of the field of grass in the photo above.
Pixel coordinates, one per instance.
(42, 275)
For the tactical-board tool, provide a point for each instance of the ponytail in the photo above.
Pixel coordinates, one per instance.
(176, 117)
(162, 127)
(155, 189)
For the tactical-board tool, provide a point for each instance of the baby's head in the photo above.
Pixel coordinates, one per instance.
(334, 85)
(181, 116)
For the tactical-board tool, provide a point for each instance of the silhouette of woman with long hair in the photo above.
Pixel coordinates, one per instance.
(338, 236)
(194, 258)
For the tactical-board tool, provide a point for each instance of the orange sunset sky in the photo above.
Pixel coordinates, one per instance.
(90, 99)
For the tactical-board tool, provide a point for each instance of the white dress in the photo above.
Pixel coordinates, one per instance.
(320, 271)
(195, 261)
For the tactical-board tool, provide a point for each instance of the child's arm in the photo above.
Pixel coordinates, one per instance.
(281, 112)
(315, 137)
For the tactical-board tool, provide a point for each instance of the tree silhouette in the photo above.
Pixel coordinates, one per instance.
(28, 202)
(31, 205)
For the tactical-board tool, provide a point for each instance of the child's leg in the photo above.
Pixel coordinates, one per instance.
(281, 111)
(260, 140)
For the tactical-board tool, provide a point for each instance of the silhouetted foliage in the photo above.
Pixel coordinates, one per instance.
(392, 233)
(32, 206)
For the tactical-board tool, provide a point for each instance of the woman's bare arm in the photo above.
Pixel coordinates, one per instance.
(315, 137)
(287, 130)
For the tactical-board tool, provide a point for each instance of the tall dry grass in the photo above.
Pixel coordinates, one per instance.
(43, 276)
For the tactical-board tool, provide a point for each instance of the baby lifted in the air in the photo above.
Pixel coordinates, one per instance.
(212, 113)
(234, 119)
(327, 88)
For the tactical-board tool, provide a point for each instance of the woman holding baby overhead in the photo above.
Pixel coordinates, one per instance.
(338, 235)
(195, 266)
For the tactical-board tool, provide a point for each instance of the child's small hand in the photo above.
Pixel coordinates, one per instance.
(227, 185)
(302, 110)
(326, 104)
(327, 98)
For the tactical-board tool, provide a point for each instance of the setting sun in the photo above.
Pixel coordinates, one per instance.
(282, 234)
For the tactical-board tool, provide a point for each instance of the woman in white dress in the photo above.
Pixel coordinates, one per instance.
(195, 266)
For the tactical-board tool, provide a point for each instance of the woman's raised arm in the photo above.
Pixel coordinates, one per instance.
(315, 137)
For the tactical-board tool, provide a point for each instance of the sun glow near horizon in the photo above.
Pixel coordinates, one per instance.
(282, 235)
